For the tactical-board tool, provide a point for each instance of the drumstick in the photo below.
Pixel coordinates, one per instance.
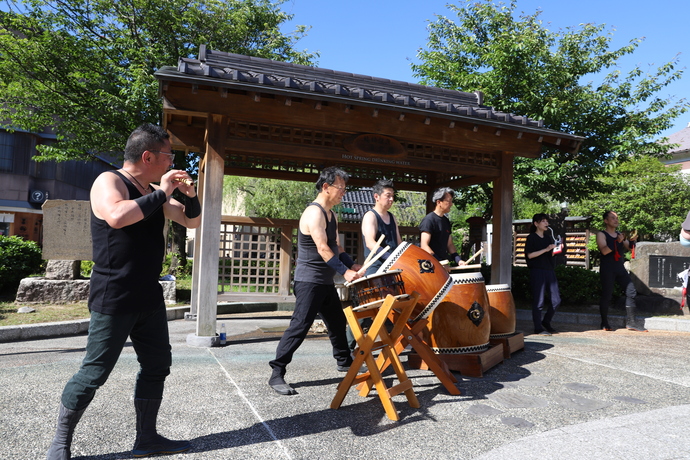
(465, 267)
(471, 258)
(373, 250)
(372, 260)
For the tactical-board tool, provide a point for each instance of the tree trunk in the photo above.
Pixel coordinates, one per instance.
(178, 247)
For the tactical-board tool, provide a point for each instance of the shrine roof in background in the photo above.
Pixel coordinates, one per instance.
(289, 121)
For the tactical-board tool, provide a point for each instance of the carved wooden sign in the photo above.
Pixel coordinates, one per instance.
(374, 144)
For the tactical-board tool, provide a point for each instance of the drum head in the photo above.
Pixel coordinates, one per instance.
(467, 278)
(497, 287)
(373, 276)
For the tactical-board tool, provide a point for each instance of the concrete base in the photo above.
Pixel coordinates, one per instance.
(194, 340)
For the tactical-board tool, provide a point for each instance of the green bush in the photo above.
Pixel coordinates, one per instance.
(85, 268)
(577, 285)
(180, 271)
(18, 259)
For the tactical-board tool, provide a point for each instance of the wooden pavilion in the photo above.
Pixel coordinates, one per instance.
(262, 118)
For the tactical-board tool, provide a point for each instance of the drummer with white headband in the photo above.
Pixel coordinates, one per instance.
(436, 238)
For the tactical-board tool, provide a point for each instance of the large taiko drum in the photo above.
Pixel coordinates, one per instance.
(502, 310)
(370, 291)
(421, 272)
(461, 322)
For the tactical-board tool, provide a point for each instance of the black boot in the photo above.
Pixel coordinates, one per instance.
(604, 311)
(67, 421)
(630, 322)
(148, 441)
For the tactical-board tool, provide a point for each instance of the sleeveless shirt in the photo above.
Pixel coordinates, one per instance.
(390, 239)
(617, 249)
(127, 262)
(311, 267)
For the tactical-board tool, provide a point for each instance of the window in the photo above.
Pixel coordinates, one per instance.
(6, 151)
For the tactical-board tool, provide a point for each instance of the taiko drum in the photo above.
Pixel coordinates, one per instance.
(502, 310)
(370, 291)
(461, 322)
(421, 272)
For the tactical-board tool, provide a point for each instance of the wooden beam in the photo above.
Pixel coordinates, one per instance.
(302, 114)
(341, 156)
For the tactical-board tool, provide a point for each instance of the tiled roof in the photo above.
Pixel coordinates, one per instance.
(360, 201)
(682, 137)
(258, 74)
(356, 203)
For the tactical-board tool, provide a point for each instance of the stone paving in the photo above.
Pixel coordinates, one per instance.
(577, 394)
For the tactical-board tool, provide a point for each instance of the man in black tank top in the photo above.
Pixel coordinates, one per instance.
(613, 245)
(376, 222)
(125, 298)
(319, 258)
(379, 221)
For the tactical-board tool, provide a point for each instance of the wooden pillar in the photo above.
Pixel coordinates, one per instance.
(285, 260)
(209, 231)
(194, 307)
(501, 247)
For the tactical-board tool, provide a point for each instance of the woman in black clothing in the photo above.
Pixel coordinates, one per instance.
(542, 274)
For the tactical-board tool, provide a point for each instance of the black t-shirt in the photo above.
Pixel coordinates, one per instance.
(536, 243)
(439, 228)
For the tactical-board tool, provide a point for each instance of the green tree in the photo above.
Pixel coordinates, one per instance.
(559, 77)
(648, 197)
(277, 199)
(409, 208)
(85, 67)
(525, 208)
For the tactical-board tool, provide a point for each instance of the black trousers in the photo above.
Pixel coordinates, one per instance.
(108, 334)
(542, 281)
(610, 274)
(312, 299)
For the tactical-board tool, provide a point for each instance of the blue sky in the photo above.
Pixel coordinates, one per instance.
(380, 38)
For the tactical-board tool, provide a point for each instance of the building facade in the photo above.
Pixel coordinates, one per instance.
(681, 154)
(26, 184)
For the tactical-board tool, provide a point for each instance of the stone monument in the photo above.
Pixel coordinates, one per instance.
(654, 271)
(66, 242)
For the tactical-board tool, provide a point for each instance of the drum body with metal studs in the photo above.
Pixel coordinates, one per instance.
(461, 322)
(502, 310)
(422, 273)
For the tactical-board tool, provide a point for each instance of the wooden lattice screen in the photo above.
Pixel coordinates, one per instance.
(249, 259)
(250, 253)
